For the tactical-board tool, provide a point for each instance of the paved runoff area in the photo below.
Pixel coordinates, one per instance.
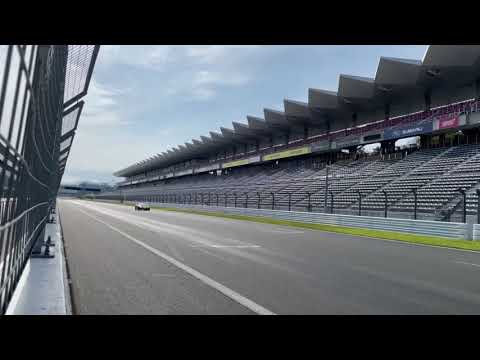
(159, 262)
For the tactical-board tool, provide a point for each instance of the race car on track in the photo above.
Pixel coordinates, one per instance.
(142, 206)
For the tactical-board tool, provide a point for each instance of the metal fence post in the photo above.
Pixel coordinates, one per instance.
(225, 197)
(201, 198)
(289, 201)
(386, 202)
(309, 206)
(273, 200)
(246, 200)
(258, 200)
(331, 202)
(478, 206)
(209, 199)
(359, 203)
(235, 199)
(414, 204)
(464, 194)
(216, 194)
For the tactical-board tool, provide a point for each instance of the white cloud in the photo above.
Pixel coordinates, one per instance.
(135, 55)
(209, 54)
(101, 107)
(221, 65)
(204, 84)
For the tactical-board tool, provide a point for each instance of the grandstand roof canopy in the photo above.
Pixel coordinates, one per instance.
(446, 74)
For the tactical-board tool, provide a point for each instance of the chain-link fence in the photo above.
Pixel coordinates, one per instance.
(40, 92)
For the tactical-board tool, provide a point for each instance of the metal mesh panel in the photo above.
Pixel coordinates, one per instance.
(32, 109)
(81, 59)
(70, 119)
(66, 143)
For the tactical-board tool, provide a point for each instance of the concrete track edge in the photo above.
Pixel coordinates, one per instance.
(44, 288)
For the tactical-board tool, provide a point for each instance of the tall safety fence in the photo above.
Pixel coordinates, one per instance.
(41, 87)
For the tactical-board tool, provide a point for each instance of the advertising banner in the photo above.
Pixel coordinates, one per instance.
(241, 162)
(207, 168)
(320, 146)
(235, 163)
(346, 143)
(447, 122)
(408, 130)
(372, 137)
(184, 172)
(288, 153)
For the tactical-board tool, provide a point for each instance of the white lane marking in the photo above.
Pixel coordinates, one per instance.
(228, 246)
(467, 263)
(249, 304)
(287, 232)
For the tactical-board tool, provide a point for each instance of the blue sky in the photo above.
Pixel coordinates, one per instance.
(145, 99)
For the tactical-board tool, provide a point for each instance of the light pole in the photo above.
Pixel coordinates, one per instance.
(478, 206)
(464, 193)
(326, 188)
(331, 202)
(414, 204)
(386, 201)
(359, 203)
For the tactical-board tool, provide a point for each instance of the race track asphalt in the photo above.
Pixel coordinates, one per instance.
(160, 262)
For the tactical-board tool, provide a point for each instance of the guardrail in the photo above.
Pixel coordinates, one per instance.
(476, 232)
(423, 227)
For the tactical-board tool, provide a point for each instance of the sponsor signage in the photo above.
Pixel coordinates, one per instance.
(184, 172)
(288, 153)
(241, 162)
(447, 122)
(345, 143)
(320, 146)
(474, 118)
(410, 130)
(372, 137)
(207, 168)
(235, 163)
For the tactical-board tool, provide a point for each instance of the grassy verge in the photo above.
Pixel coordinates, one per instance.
(379, 234)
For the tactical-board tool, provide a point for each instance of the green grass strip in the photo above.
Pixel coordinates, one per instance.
(378, 234)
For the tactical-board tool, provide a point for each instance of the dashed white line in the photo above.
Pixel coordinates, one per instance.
(249, 304)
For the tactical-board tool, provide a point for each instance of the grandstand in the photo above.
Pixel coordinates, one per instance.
(310, 156)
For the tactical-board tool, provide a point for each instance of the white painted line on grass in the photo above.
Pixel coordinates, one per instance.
(242, 300)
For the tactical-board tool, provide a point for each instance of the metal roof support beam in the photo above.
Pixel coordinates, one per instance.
(354, 119)
(477, 89)
(428, 99)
